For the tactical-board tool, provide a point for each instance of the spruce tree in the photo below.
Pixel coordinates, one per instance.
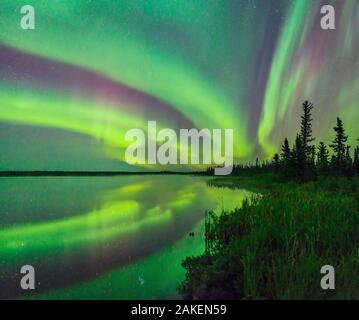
(311, 155)
(306, 134)
(285, 154)
(298, 162)
(306, 125)
(339, 145)
(285, 160)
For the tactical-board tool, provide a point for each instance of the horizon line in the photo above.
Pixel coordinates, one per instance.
(39, 173)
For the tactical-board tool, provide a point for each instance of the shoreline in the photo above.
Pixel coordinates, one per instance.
(10, 174)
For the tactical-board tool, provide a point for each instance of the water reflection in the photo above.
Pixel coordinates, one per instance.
(100, 237)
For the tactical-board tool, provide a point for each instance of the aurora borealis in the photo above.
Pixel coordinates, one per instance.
(91, 70)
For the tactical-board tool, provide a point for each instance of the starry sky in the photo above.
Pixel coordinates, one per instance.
(91, 70)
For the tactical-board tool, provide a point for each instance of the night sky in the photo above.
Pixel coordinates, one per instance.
(91, 70)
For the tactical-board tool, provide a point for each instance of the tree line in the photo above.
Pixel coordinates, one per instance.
(304, 161)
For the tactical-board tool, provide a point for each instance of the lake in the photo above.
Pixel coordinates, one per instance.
(121, 237)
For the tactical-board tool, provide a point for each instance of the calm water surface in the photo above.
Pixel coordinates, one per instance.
(104, 237)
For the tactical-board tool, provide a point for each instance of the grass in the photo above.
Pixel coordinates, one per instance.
(260, 182)
(274, 246)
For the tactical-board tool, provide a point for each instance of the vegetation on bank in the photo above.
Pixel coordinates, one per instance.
(274, 246)
(307, 216)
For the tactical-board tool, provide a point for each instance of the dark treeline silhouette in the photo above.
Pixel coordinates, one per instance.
(305, 161)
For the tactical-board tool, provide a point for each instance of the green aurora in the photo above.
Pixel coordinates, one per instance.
(91, 70)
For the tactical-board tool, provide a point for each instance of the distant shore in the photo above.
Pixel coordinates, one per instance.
(87, 173)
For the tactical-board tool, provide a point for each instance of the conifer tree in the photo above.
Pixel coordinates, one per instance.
(285, 154)
(306, 125)
(298, 157)
(311, 155)
(285, 158)
(306, 134)
(339, 145)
